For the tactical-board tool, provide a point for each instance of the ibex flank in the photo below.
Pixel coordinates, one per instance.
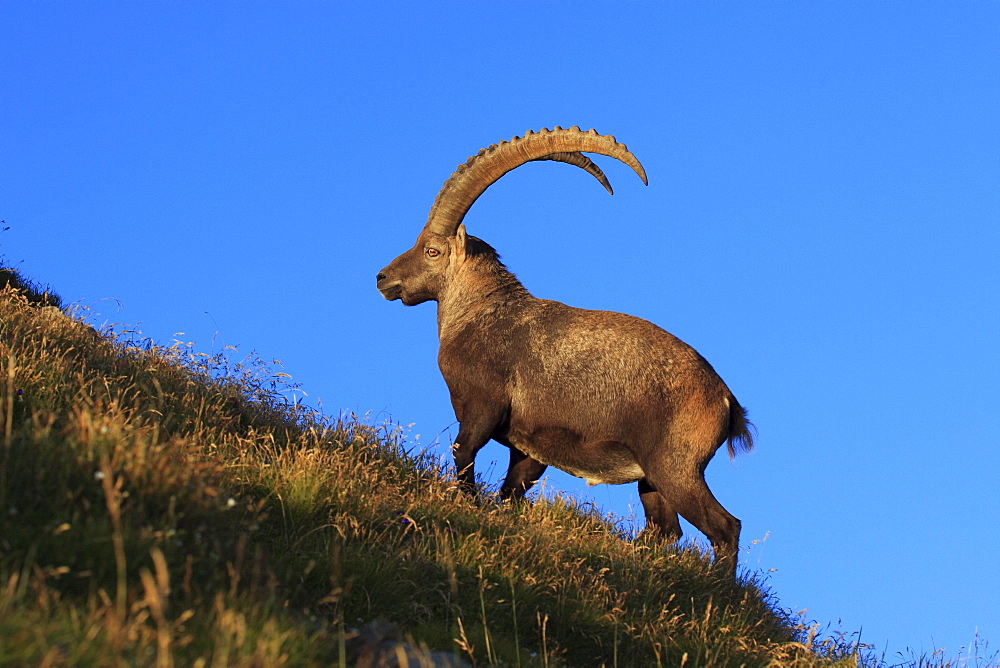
(604, 396)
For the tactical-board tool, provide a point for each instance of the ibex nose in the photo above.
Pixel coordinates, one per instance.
(379, 276)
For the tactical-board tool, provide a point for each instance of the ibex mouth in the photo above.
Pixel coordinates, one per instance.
(392, 292)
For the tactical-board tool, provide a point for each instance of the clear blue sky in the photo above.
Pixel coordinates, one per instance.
(821, 222)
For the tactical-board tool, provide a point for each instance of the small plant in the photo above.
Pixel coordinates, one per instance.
(34, 293)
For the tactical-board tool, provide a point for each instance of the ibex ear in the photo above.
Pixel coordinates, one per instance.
(461, 241)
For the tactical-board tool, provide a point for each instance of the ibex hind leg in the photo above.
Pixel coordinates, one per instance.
(685, 491)
(661, 519)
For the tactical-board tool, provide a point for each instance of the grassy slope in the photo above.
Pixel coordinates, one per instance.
(152, 515)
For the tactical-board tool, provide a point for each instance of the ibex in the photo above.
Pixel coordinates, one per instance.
(604, 396)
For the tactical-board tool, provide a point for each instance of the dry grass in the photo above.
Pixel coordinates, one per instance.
(159, 507)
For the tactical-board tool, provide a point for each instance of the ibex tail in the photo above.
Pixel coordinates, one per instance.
(741, 430)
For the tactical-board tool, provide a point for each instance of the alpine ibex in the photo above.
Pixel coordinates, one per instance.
(603, 396)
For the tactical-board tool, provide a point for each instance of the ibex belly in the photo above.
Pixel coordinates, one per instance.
(596, 461)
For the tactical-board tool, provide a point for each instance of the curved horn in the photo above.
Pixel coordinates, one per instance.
(583, 162)
(479, 172)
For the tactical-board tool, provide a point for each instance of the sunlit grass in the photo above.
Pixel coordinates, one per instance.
(160, 506)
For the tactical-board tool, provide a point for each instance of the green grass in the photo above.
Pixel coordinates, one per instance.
(160, 506)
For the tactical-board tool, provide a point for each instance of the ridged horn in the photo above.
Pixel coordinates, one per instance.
(583, 162)
(482, 170)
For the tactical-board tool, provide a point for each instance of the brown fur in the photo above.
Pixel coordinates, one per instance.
(602, 395)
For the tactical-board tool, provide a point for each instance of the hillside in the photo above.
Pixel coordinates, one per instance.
(160, 506)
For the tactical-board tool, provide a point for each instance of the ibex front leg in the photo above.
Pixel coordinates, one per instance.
(522, 472)
(471, 439)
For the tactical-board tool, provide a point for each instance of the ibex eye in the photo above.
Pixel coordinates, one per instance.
(433, 252)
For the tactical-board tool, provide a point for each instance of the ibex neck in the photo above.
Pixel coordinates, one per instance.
(475, 293)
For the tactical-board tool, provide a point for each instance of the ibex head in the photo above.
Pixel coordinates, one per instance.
(424, 272)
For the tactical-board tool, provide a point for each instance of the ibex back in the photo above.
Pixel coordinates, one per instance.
(604, 396)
